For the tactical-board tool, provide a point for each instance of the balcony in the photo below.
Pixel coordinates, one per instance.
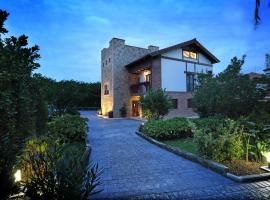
(140, 88)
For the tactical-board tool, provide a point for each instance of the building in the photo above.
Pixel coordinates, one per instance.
(127, 72)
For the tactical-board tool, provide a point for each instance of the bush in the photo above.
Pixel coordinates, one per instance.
(52, 170)
(72, 127)
(168, 129)
(123, 111)
(155, 104)
(219, 141)
(110, 114)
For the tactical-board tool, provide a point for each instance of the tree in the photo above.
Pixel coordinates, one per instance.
(155, 104)
(230, 93)
(256, 13)
(20, 100)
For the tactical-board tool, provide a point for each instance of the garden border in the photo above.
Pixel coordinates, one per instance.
(217, 167)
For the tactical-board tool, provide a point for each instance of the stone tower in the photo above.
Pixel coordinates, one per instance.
(114, 77)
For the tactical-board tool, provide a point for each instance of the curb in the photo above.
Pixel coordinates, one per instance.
(249, 178)
(217, 167)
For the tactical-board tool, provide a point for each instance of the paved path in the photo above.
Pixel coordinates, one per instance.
(137, 169)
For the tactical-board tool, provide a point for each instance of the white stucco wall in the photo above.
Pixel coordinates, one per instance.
(173, 77)
(203, 59)
(176, 53)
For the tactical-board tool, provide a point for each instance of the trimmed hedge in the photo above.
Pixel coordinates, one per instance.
(72, 127)
(168, 129)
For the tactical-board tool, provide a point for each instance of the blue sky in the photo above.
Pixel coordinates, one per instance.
(72, 33)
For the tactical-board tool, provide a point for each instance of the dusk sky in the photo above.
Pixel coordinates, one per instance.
(72, 33)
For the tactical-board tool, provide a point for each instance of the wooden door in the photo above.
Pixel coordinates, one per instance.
(135, 108)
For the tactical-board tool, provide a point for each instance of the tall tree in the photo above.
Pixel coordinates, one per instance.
(230, 93)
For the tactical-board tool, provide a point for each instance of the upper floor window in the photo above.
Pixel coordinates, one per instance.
(106, 89)
(190, 82)
(190, 54)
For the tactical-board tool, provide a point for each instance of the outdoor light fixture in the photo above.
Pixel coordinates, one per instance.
(267, 156)
(18, 175)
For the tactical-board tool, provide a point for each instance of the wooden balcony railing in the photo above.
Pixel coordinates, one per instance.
(140, 88)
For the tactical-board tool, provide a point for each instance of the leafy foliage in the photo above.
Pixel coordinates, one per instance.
(21, 102)
(55, 170)
(230, 93)
(64, 96)
(72, 127)
(219, 142)
(168, 129)
(155, 104)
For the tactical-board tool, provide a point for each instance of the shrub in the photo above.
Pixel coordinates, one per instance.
(52, 170)
(72, 127)
(123, 111)
(219, 141)
(168, 129)
(110, 114)
(155, 104)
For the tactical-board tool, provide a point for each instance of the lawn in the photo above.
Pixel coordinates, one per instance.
(183, 144)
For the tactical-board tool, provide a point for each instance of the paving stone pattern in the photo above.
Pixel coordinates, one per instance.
(136, 169)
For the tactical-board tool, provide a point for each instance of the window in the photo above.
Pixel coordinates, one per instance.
(174, 103)
(189, 103)
(109, 60)
(190, 82)
(190, 54)
(148, 78)
(106, 89)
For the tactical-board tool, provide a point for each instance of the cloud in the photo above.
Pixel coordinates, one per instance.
(97, 20)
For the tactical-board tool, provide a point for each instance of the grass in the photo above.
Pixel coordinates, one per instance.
(183, 144)
(241, 167)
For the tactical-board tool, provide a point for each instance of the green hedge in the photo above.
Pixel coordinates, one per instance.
(168, 129)
(72, 127)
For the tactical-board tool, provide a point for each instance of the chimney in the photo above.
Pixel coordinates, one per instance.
(153, 48)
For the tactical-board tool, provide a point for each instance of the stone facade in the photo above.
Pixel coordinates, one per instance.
(113, 72)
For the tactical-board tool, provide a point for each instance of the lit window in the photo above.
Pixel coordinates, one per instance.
(106, 89)
(193, 55)
(186, 54)
(190, 54)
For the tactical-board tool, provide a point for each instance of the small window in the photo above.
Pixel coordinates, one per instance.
(109, 60)
(102, 64)
(106, 62)
(106, 89)
(174, 103)
(190, 54)
(189, 103)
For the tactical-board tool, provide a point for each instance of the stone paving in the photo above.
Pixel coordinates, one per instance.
(136, 169)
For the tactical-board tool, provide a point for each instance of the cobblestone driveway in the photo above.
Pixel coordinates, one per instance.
(136, 169)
